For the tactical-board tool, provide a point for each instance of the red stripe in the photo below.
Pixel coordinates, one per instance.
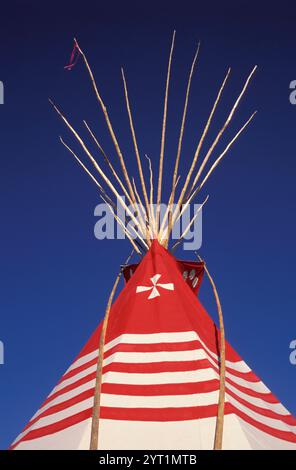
(285, 435)
(161, 389)
(254, 379)
(164, 389)
(154, 347)
(268, 397)
(150, 414)
(162, 414)
(287, 419)
(250, 376)
(129, 414)
(173, 389)
(156, 389)
(122, 347)
(63, 405)
(160, 347)
(81, 368)
(153, 414)
(56, 427)
(209, 387)
(155, 367)
(72, 386)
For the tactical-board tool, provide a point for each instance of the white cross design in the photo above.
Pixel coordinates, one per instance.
(154, 291)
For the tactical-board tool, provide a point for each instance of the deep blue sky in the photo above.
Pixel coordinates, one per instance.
(55, 276)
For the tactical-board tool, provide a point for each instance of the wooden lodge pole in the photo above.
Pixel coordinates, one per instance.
(221, 401)
(94, 438)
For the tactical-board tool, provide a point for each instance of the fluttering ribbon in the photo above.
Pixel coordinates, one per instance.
(73, 57)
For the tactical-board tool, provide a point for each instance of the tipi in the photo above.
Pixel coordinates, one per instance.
(160, 377)
(157, 373)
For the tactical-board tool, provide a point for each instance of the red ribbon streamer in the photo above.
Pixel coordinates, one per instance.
(73, 57)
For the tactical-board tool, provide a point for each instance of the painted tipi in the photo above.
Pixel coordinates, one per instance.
(157, 373)
(160, 377)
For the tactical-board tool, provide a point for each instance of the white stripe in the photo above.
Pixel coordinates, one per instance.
(175, 435)
(93, 368)
(76, 437)
(175, 337)
(201, 375)
(73, 379)
(260, 440)
(157, 338)
(58, 416)
(172, 377)
(275, 407)
(161, 401)
(259, 387)
(124, 401)
(271, 422)
(158, 378)
(151, 357)
(181, 401)
(239, 366)
(153, 338)
(125, 358)
(65, 396)
(82, 360)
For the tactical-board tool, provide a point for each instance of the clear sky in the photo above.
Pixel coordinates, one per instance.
(55, 276)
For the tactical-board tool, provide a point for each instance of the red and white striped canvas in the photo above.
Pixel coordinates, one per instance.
(160, 377)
